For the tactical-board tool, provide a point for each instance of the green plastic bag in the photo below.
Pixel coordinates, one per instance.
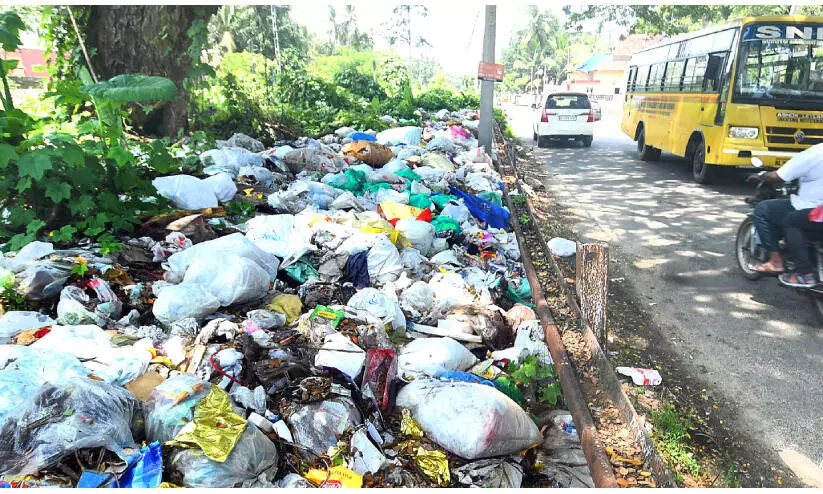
(443, 223)
(520, 295)
(493, 197)
(408, 174)
(301, 271)
(374, 187)
(440, 200)
(507, 386)
(421, 201)
(351, 180)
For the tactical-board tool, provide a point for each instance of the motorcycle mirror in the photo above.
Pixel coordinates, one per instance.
(757, 162)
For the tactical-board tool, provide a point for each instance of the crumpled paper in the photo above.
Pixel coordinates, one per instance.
(215, 429)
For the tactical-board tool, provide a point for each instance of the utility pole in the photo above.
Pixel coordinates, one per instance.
(487, 87)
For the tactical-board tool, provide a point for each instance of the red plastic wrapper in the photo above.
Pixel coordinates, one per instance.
(381, 369)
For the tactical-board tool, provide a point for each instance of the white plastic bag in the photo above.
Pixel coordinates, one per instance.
(114, 365)
(14, 322)
(401, 135)
(340, 352)
(222, 185)
(380, 305)
(230, 278)
(235, 244)
(261, 174)
(411, 258)
(26, 256)
(383, 261)
(456, 210)
(419, 233)
(469, 419)
(417, 300)
(431, 356)
(185, 191)
(181, 301)
(562, 247)
(229, 160)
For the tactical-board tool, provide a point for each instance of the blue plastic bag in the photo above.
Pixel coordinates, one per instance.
(465, 377)
(145, 471)
(362, 136)
(483, 210)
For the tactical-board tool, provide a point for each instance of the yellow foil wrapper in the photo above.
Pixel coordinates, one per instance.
(409, 426)
(215, 428)
(168, 485)
(435, 464)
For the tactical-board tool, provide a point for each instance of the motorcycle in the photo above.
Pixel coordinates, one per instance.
(750, 252)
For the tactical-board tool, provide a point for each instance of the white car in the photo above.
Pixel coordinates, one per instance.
(564, 116)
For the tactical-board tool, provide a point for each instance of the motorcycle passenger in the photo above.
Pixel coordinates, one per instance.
(796, 224)
(769, 215)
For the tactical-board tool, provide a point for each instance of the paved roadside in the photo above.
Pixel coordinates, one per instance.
(759, 346)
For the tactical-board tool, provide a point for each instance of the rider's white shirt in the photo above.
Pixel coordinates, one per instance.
(808, 167)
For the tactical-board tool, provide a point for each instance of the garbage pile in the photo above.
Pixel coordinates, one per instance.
(359, 330)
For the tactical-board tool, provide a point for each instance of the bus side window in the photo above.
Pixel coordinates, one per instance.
(674, 76)
(630, 79)
(687, 75)
(699, 73)
(714, 69)
(643, 78)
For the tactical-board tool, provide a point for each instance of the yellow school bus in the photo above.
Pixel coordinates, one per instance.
(753, 87)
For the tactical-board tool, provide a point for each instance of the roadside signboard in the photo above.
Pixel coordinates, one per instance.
(488, 71)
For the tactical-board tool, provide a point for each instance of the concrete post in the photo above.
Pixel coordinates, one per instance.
(487, 87)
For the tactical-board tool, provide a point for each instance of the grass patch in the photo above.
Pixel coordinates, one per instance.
(671, 437)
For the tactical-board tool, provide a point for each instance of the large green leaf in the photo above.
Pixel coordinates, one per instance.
(34, 164)
(132, 88)
(10, 27)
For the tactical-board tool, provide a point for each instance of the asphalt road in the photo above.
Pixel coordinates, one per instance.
(757, 343)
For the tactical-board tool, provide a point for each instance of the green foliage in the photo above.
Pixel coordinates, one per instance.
(677, 18)
(109, 244)
(10, 27)
(358, 83)
(532, 369)
(79, 269)
(438, 98)
(239, 28)
(9, 298)
(393, 76)
(110, 96)
(241, 210)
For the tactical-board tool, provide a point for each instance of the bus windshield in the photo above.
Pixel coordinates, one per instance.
(780, 69)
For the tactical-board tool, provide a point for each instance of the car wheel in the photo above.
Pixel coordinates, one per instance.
(536, 137)
(701, 171)
(587, 141)
(542, 141)
(644, 151)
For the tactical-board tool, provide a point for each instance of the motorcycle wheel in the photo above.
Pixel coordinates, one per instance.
(743, 250)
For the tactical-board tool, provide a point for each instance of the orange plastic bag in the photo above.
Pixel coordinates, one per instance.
(368, 152)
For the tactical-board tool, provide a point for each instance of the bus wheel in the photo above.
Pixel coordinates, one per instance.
(701, 171)
(645, 152)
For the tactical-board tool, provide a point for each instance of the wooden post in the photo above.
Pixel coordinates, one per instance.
(593, 287)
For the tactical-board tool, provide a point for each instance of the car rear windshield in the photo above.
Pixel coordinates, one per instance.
(568, 101)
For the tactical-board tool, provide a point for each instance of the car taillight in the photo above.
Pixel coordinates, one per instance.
(591, 116)
(545, 115)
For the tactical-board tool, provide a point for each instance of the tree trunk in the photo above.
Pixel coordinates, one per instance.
(150, 40)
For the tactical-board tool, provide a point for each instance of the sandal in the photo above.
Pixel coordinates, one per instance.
(761, 269)
(801, 281)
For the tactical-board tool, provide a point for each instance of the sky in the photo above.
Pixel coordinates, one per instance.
(455, 29)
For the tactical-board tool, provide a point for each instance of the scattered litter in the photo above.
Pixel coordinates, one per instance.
(641, 377)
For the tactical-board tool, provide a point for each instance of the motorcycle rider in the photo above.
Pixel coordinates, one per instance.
(807, 166)
(796, 224)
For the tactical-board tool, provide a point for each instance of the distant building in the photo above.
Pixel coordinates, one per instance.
(606, 74)
(31, 56)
